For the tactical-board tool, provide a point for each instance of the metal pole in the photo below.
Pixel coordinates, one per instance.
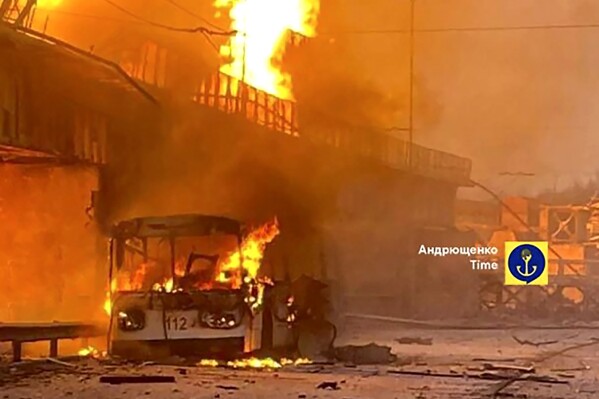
(411, 104)
(242, 93)
(245, 40)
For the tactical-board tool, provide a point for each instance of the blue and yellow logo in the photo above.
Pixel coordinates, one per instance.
(526, 263)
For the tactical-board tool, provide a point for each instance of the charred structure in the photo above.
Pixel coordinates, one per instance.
(169, 132)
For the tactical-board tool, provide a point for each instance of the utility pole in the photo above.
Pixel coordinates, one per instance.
(411, 83)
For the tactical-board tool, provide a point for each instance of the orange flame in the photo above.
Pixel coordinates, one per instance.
(90, 351)
(249, 258)
(255, 53)
(108, 300)
(255, 363)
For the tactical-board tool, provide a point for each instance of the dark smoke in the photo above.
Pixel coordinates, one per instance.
(327, 87)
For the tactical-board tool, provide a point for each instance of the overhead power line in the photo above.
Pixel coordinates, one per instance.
(326, 33)
(460, 29)
(193, 14)
(198, 29)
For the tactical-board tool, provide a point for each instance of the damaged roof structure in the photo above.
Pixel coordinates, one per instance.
(44, 116)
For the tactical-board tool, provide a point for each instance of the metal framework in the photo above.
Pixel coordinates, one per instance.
(573, 271)
(232, 96)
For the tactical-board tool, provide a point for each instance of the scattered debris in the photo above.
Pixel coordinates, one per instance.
(475, 368)
(148, 363)
(486, 359)
(511, 395)
(422, 388)
(496, 391)
(366, 354)
(531, 343)
(60, 362)
(481, 376)
(565, 375)
(549, 355)
(330, 385)
(583, 367)
(522, 369)
(136, 379)
(414, 341)
(228, 387)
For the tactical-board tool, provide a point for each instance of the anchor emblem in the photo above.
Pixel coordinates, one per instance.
(526, 270)
(526, 263)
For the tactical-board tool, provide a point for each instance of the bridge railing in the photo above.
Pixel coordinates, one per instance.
(393, 152)
(235, 97)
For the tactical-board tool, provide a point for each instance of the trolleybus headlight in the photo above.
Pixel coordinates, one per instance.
(223, 321)
(131, 320)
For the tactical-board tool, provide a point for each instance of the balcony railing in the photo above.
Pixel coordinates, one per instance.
(234, 97)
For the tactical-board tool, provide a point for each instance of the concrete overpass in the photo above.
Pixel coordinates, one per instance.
(348, 198)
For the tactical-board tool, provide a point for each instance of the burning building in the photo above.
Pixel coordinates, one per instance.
(53, 143)
(224, 136)
(570, 232)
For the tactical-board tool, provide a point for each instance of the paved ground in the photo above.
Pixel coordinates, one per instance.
(452, 354)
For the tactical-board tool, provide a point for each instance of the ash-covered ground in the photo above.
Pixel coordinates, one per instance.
(507, 363)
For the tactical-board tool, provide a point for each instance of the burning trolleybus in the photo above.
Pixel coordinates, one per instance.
(181, 285)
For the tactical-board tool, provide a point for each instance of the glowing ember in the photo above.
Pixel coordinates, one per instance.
(167, 286)
(296, 362)
(263, 27)
(108, 300)
(208, 363)
(255, 363)
(90, 351)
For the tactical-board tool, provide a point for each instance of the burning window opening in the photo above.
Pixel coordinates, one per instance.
(217, 261)
(254, 55)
